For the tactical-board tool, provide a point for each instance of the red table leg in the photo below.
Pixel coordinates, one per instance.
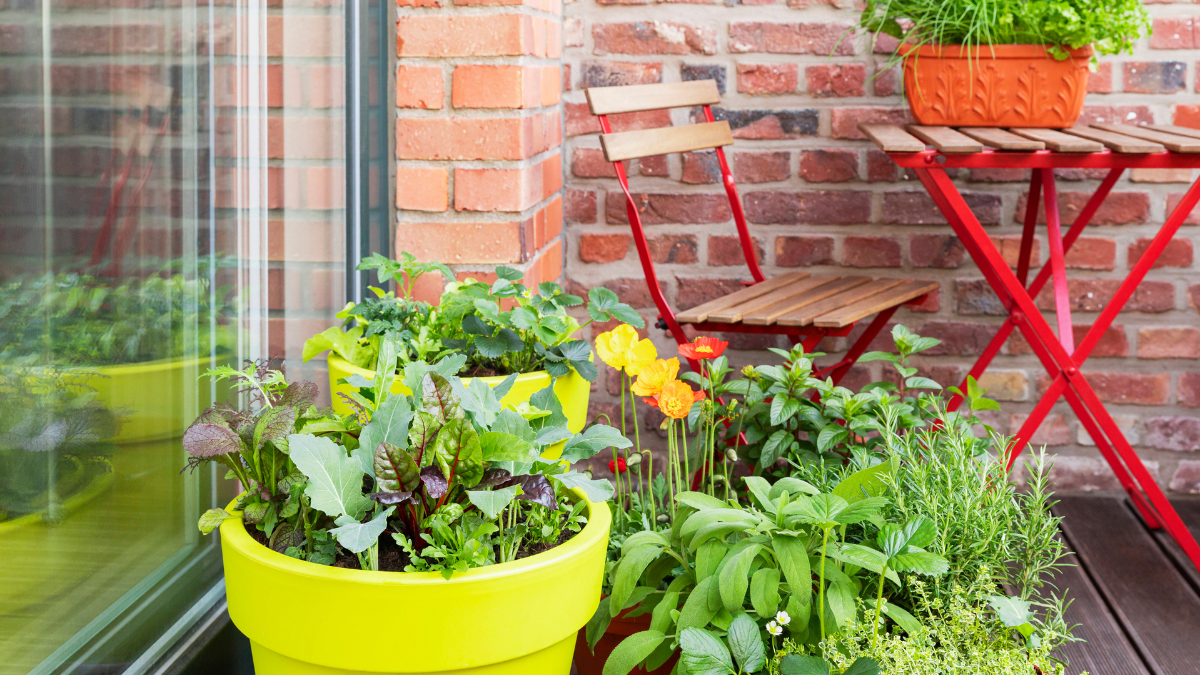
(1038, 333)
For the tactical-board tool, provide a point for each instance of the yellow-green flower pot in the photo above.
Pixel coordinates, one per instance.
(517, 618)
(572, 391)
(156, 399)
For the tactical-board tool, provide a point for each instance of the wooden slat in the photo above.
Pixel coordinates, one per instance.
(1126, 145)
(638, 97)
(829, 285)
(945, 139)
(875, 304)
(1177, 130)
(1171, 142)
(700, 313)
(1104, 647)
(1155, 605)
(665, 140)
(805, 315)
(734, 314)
(1002, 140)
(1058, 141)
(891, 138)
(1189, 513)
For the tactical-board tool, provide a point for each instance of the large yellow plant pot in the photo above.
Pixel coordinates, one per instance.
(518, 618)
(572, 390)
(154, 400)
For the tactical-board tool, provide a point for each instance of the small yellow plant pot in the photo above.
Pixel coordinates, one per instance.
(572, 390)
(517, 618)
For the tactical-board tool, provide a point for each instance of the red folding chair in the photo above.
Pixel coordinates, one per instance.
(803, 306)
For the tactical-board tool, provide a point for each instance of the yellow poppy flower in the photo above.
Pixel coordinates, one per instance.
(621, 348)
(651, 379)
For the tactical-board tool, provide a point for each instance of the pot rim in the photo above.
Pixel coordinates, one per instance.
(234, 534)
(348, 367)
(1007, 51)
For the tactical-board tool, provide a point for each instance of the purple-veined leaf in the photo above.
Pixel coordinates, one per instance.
(211, 440)
(435, 483)
(534, 488)
(493, 477)
(437, 398)
(391, 498)
(422, 434)
(215, 415)
(395, 469)
(299, 395)
(275, 423)
(458, 453)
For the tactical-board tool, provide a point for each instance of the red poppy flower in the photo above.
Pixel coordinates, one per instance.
(675, 400)
(703, 348)
(618, 466)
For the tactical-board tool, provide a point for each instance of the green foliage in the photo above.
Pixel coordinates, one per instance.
(503, 327)
(79, 320)
(1112, 26)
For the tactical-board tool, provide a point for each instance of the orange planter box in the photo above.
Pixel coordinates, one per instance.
(995, 86)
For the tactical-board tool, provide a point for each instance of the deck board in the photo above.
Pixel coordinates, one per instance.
(1104, 649)
(1154, 603)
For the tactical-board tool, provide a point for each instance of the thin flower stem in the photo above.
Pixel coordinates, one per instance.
(821, 588)
(687, 462)
(878, 606)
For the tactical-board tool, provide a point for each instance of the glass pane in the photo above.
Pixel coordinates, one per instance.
(171, 199)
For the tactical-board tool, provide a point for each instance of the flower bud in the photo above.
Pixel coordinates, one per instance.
(663, 518)
(731, 455)
(748, 371)
(588, 473)
(634, 460)
(718, 478)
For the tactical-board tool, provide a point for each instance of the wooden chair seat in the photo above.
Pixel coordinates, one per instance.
(804, 299)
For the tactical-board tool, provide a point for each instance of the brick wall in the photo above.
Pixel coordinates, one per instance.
(479, 134)
(820, 197)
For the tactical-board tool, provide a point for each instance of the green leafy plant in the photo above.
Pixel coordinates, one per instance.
(502, 328)
(1112, 26)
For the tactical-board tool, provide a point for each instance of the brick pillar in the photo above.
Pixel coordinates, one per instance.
(479, 134)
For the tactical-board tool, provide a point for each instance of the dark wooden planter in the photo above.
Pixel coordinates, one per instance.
(588, 663)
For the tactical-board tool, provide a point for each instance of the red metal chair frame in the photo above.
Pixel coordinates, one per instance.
(1059, 354)
(809, 336)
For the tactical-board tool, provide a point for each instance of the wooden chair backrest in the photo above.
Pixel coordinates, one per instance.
(665, 140)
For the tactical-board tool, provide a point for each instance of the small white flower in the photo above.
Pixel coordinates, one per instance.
(774, 629)
(783, 618)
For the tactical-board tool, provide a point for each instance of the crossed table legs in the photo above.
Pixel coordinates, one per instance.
(1058, 354)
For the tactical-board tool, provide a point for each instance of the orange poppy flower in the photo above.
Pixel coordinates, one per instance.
(676, 399)
(651, 379)
(703, 348)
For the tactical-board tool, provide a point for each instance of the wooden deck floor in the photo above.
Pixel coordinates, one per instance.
(1136, 597)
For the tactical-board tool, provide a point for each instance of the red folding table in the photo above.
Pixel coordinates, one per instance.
(1112, 147)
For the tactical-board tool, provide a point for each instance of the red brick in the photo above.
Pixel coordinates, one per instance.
(1187, 116)
(700, 168)
(1129, 388)
(465, 243)
(1173, 201)
(762, 167)
(918, 208)
(506, 189)
(670, 208)
(590, 163)
(673, 248)
(871, 252)
(1193, 295)
(771, 124)
(1189, 389)
(437, 35)
(936, 250)
(1181, 434)
(418, 3)
(822, 39)
(579, 206)
(829, 166)
(581, 121)
(773, 78)
(828, 81)
(467, 138)
(1053, 430)
(1166, 342)
(1178, 253)
(1155, 77)
(1110, 114)
(1101, 81)
(1121, 208)
(603, 248)
(1000, 175)
(881, 168)
(1092, 253)
(476, 86)
(619, 73)
(974, 297)
(958, 338)
(803, 251)
(1112, 344)
(1160, 176)
(1010, 249)
(1153, 297)
(844, 121)
(653, 37)
(654, 165)
(885, 83)
(726, 250)
(422, 189)
(1086, 295)
(695, 291)
(808, 208)
(1175, 33)
(1186, 478)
